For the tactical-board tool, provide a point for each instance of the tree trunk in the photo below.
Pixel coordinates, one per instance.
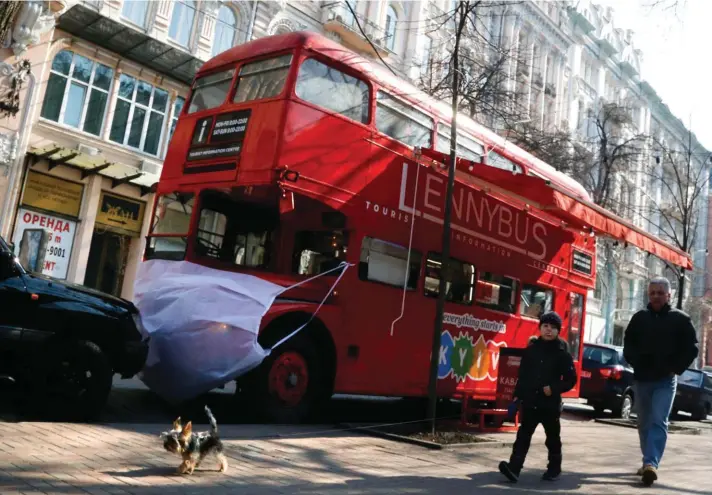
(680, 289)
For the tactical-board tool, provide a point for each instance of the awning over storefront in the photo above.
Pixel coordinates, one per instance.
(577, 212)
(129, 42)
(119, 173)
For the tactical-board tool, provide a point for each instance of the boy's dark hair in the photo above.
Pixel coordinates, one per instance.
(552, 318)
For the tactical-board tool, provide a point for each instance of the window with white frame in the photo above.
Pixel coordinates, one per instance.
(182, 21)
(426, 55)
(177, 108)
(139, 115)
(225, 30)
(77, 92)
(391, 21)
(136, 11)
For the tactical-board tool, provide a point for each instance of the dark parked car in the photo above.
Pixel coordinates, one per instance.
(607, 380)
(60, 344)
(694, 394)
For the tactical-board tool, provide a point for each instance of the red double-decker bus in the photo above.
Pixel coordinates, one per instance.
(293, 154)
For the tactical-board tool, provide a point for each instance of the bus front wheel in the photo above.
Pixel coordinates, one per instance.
(289, 383)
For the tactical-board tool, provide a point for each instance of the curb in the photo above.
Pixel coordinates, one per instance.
(683, 430)
(375, 432)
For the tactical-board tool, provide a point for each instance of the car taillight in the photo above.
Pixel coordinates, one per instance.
(613, 373)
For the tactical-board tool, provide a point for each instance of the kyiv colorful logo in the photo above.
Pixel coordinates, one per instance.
(462, 357)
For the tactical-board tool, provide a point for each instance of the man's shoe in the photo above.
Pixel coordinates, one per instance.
(510, 473)
(650, 475)
(551, 475)
(640, 470)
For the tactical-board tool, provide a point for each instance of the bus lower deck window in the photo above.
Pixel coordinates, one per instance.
(496, 292)
(535, 301)
(459, 277)
(319, 252)
(387, 263)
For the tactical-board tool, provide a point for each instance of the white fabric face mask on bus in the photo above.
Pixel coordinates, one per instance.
(203, 324)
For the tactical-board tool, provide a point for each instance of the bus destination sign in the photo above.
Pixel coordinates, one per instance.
(582, 262)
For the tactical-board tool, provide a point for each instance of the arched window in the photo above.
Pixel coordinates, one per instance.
(182, 21)
(225, 30)
(391, 21)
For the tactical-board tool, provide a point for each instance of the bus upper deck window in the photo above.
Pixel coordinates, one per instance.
(210, 91)
(263, 79)
(332, 89)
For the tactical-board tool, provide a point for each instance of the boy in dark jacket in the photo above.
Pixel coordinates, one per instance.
(546, 371)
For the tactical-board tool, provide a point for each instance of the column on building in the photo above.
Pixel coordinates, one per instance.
(573, 98)
(545, 53)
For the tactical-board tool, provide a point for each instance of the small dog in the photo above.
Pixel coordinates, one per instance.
(182, 441)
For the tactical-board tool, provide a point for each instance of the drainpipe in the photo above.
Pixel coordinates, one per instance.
(13, 184)
(251, 27)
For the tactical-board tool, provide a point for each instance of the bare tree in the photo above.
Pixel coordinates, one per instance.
(681, 176)
(487, 61)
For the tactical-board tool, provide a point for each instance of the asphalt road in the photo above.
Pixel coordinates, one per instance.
(132, 402)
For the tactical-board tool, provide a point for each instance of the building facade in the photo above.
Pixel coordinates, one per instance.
(109, 77)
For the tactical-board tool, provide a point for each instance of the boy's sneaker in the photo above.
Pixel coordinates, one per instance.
(650, 475)
(509, 472)
(640, 470)
(551, 475)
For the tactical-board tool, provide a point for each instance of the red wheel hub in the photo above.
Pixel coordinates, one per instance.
(289, 378)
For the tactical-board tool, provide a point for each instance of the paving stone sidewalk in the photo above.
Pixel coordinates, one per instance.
(128, 458)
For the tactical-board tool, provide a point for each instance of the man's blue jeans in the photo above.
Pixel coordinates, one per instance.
(653, 404)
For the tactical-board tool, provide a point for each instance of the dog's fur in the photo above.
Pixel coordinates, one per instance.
(193, 447)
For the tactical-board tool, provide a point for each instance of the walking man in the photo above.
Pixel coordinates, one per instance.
(660, 343)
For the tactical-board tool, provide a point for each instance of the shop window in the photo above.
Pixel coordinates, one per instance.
(182, 21)
(403, 122)
(136, 11)
(139, 116)
(332, 89)
(225, 30)
(77, 92)
(262, 79)
(387, 263)
(210, 91)
(496, 292)
(535, 301)
(319, 252)
(459, 279)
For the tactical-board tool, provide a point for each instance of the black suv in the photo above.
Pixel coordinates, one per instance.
(694, 394)
(60, 344)
(607, 380)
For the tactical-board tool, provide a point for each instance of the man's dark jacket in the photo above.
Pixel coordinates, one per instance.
(545, 363)
(660, 343)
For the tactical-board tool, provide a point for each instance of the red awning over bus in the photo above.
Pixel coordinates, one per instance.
(556, 201)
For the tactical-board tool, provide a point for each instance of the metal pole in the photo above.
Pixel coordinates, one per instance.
(445, 258)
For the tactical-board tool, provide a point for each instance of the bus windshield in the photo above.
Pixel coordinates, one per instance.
(235, 232)
(171, 222)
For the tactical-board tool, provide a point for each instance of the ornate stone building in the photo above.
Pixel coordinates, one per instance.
(108, 78)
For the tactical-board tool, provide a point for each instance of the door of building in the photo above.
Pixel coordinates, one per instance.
(108, 256)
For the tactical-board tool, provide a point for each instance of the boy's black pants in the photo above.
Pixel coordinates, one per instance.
(530, 417)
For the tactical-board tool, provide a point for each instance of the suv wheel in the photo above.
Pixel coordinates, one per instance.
(626, 407)
(702, 413)
(77, 381)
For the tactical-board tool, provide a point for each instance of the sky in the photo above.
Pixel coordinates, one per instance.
(676, 47)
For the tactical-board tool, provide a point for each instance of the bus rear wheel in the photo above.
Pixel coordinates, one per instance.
(289, 385)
